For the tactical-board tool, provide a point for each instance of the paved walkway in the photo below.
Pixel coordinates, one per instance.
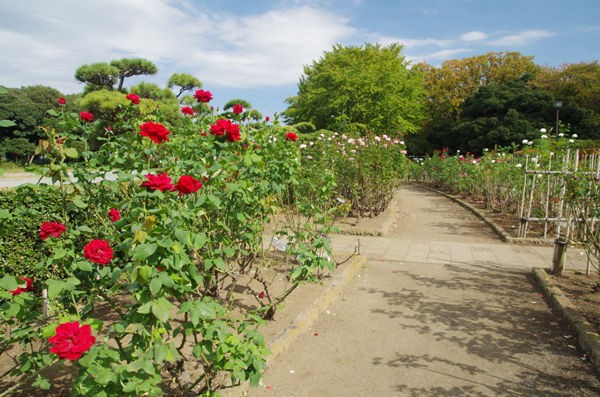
(443, 308)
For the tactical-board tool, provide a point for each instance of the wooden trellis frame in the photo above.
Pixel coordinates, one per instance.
(547, 183)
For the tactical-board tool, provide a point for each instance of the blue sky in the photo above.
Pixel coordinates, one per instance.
(256, 50)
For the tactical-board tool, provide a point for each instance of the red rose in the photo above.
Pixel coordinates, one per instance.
(226, 127)
(187, 185)
(203, 96)
(98, 251)
(155, 131)
(187, 110)
(71, 340)
(51, 229)
(133, 98)
(62, 101)
(158, 182)
(114, 214)
(238, 109)
(291, 136)
(267, 119)
(28, 286)
(86, 116)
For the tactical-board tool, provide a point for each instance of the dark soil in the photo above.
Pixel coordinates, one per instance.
(584, 292)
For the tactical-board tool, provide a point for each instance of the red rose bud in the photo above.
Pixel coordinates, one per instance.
(62, 101)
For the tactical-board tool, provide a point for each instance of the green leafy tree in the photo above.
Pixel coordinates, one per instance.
(505, 114)
(153, 91)
(184, 82)
(25, 109)
(97, 76)
(577, 83)
(368, 88)
(102, 75)
(456, 80)
(18, 150)
(129, 67)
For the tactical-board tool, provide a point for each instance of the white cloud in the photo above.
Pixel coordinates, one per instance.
(44, 42)
(473, 36)
(525, 37)
(410, 43)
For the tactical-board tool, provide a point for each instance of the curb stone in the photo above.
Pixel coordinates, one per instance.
(388, 216)
(303, 321)
(588, 339)
(496, 228)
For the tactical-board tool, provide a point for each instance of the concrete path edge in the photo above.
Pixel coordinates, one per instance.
(305, 320)
(588, 339)
(496, 228)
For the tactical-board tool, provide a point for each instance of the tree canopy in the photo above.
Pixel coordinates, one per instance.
(185, 82)
(97, 76)
(366, 88)
(456, 80)
(573, 83)
(505, 114)
(133, 67)
(103, 76)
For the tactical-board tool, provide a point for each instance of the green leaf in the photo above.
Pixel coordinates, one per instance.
(41, 382)
(52, 112)
(85, 229)
(229, 251)
(184, 236)
(5, 214)
(78, 201)
(155, 286)
(71, 152)
(83, 266)
(59, 253)
(144, 273)
(55, 287)
(145, 308)
(200, 240)
(161, 308)
(102, 375)
(161, 351)
(255, 378)
(7, 123)
(9, 283)
(13, 310)
(143, 251)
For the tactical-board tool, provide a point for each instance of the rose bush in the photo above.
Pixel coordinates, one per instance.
(165, 264)
(366, 169)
